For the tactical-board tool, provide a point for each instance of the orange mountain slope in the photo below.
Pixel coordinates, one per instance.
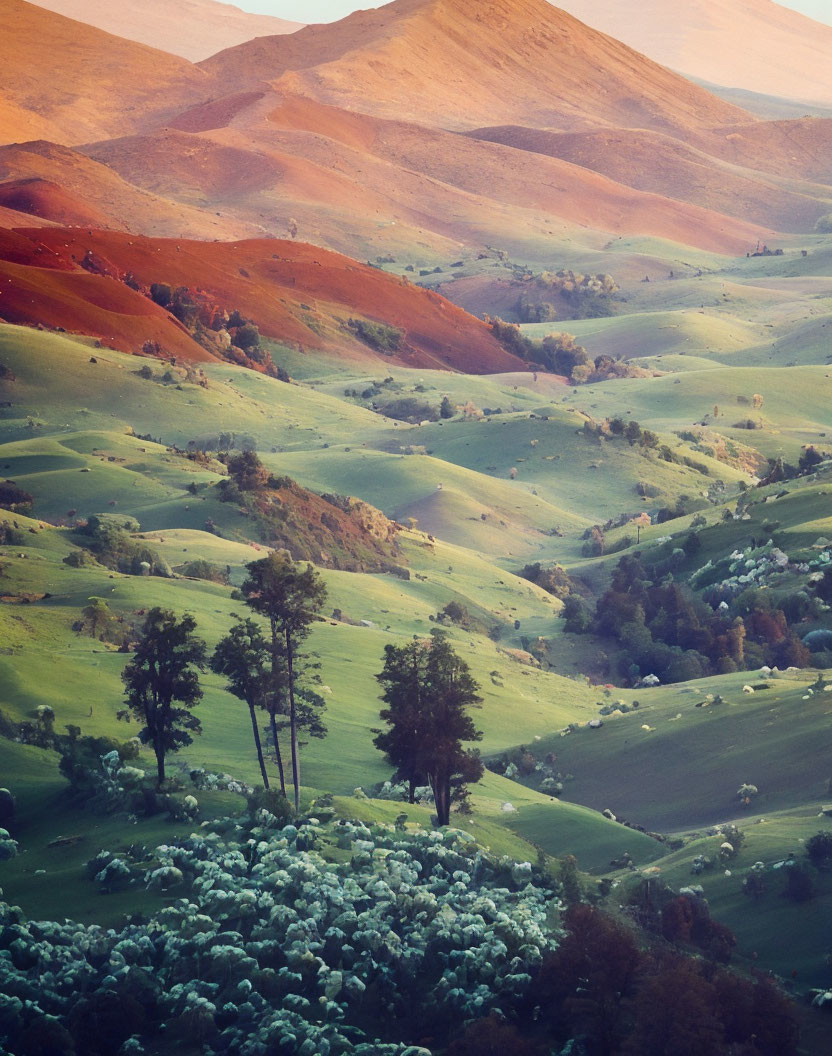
(74, 279)
(341, 174)
(462, 64)
(84, 82)
(650, 161)
(193, 29)
(753, 44)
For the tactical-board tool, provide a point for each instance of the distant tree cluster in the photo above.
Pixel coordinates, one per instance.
(633, 1001)
(14, 498)
(780, 470)
(664, 629)
(226, 333)
(575, 295)
(559, 354)
(379, 336)
(112, 540)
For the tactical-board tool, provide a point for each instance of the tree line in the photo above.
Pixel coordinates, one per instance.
(428, 690)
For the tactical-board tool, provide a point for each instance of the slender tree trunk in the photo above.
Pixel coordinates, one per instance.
(273, 708)
(293, 722)
(442, 796)
(160, 765)
(277, 754)
(258, 745)
(411, 790)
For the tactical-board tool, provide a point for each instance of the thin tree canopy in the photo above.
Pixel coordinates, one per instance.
(290, 597)
(243, 656)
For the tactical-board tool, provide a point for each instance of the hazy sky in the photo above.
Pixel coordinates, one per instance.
(329, 10)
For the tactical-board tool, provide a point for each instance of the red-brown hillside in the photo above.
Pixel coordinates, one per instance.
(193, 29)
(49, 201)
(80, 83)
(459, 65)
(98, 190)
(280, 285)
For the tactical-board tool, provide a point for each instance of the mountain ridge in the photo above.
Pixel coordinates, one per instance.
(443, 62)
(192, 29)
(757, 45)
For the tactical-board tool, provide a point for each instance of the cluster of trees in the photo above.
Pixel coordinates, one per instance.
(408, 409)
(230, 333)
(626, 429)
(13, 498)
(428, 689)
(653, 1002)
(554, 579)
(780, 470)
(576, 295)
(602, 986)
(379, 336)
(559, 354)
(110, 539)
(268, 672)
(663, 628)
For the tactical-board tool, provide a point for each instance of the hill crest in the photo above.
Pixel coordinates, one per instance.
(756, 45)
(453, 64)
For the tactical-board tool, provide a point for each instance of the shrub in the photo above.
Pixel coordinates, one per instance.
(823, 225)
(201, 569)
(14, 498)
(819, 849)
(800, 886)
(378, 336)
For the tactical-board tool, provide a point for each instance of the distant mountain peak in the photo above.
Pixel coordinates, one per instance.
(757, 45)
(193, 29)
(460, 63)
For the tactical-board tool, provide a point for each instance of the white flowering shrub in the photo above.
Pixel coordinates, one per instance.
(273, 949)
(8, 846)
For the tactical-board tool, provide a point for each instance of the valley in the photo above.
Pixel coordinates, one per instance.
(523, 343)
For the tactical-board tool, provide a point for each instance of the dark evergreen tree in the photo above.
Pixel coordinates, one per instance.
(162, 684)
(429, 690)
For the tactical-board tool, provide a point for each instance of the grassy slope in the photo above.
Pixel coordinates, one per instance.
(671, 776)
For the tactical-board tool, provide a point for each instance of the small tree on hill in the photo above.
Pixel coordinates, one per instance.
(13, 498)
(162, 675)
(290, 597)
(243, 657)
(98, 616)
(429, 690)
(247, 471)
